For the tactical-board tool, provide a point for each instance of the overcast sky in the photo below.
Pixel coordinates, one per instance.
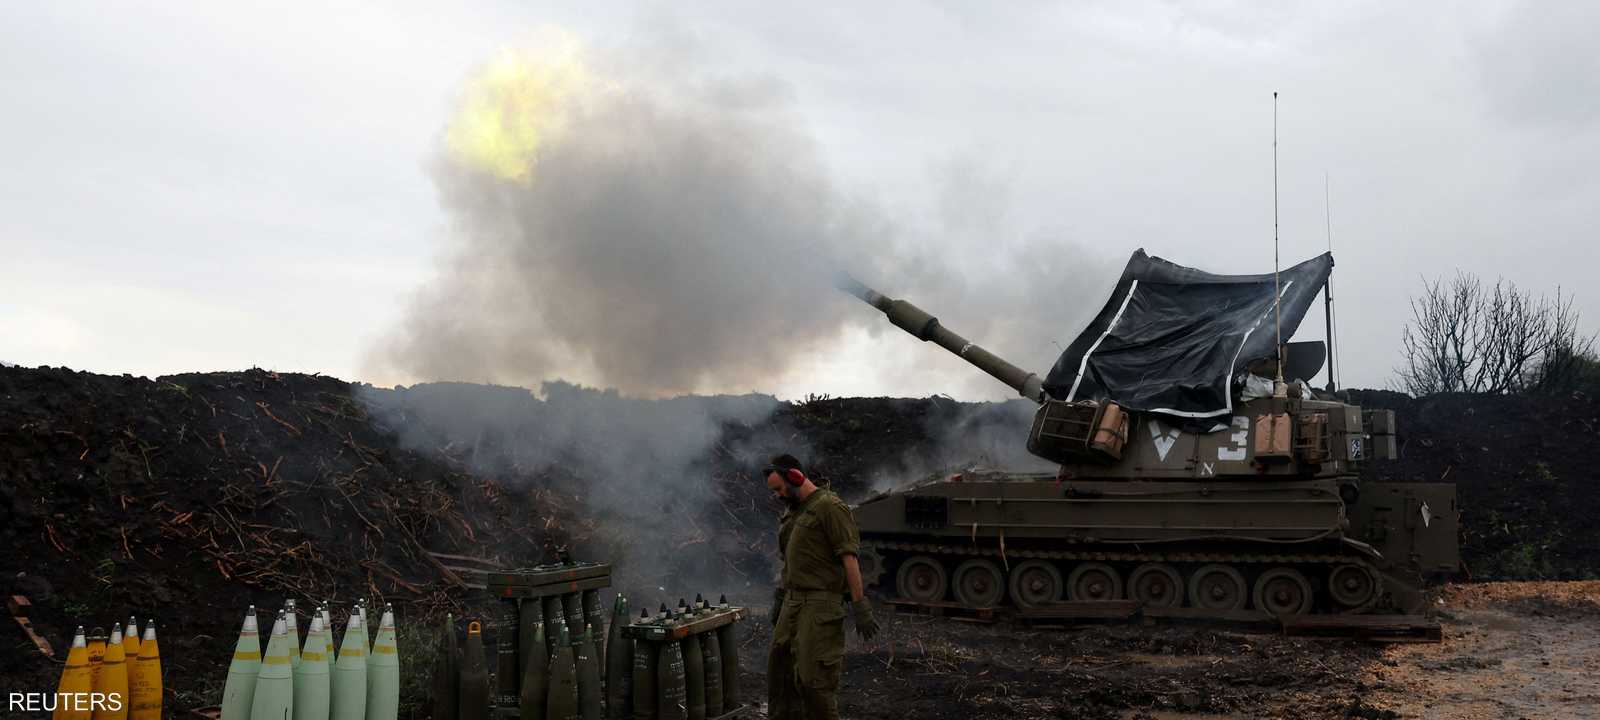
(212, 186)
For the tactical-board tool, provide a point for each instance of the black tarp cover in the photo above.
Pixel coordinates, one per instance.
(1171, 338)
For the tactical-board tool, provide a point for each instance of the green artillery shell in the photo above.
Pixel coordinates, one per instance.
(590, 693)
(447, 673)
(563, 701)
(553, 618)
(383, 671)
(274, 697)
(572, 603)
(730, 667)
(239, 693)
(671, 693)
(644, 681)
(535, 691)
(473, 703)
(311, 678)
(531, 623)
(694, 676)
(350, 674)
(505, 673)
(619, 664)
(593, 615)
(711, 658)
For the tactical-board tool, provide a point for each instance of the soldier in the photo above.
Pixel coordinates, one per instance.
(819, 542)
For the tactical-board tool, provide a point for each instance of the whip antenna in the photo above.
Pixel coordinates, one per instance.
(1277, 291)
(1327, 288)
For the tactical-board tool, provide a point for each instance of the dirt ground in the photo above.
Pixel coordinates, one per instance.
(1511, 650)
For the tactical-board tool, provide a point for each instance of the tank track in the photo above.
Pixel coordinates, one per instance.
(1376, 602)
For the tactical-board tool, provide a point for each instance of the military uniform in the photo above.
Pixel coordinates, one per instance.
(808, 640)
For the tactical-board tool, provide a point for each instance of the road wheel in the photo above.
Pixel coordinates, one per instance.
(1283, 591)
(1218, 587)
(1156, 585)
(1035, 583)
(1094, 581)
(870, 561)
(921, 579)
(979, 583)
(1352, 586)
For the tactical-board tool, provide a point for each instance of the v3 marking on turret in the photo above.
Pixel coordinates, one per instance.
(1164, 438)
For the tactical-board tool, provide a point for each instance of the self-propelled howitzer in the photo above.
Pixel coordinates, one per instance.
(1186, 476)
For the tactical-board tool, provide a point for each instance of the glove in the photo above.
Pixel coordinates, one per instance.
(866, 624)
(777, 605)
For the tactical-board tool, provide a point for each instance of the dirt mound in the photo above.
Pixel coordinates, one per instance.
(1527, 473)
(187, 498)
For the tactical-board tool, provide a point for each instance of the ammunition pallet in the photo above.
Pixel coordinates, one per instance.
(544, 580)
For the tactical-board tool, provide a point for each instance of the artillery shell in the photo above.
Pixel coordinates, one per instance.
(694, 677)
(75, 681)
(312, 678)
(572, 603)
(113, 679)
(530, 623)
(619, 663)
(553, 619)
(711, 659)
(729, 655)
(593, 615)
(562, 703)
(274, 696)
(535, 690)
(506, 661)
(349, 682)
(644, 679)
(383, 671)
(239, 693)
(291, 626)
(447, 673)
(473, 701)
(671, 691)
(130, 643)
(144, 679)
(590, 694)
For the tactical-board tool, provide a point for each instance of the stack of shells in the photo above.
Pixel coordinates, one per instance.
(111, 677)
(566, 675)
(291, 682)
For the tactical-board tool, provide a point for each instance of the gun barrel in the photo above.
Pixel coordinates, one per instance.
(926, 327)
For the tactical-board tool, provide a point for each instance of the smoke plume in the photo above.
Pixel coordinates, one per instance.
(626, 220)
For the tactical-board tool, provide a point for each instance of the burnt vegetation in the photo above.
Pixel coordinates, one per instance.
(1468, 336)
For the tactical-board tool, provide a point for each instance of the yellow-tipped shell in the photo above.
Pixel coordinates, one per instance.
(130, 640)
(144, 678)
(113, 680)
(76, 683)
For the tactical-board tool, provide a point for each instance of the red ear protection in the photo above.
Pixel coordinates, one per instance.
(794, 477)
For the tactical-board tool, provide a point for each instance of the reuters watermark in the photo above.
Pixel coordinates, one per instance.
(65, 701)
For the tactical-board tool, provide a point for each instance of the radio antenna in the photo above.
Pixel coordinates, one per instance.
(1327, 288)
(1277, 290)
